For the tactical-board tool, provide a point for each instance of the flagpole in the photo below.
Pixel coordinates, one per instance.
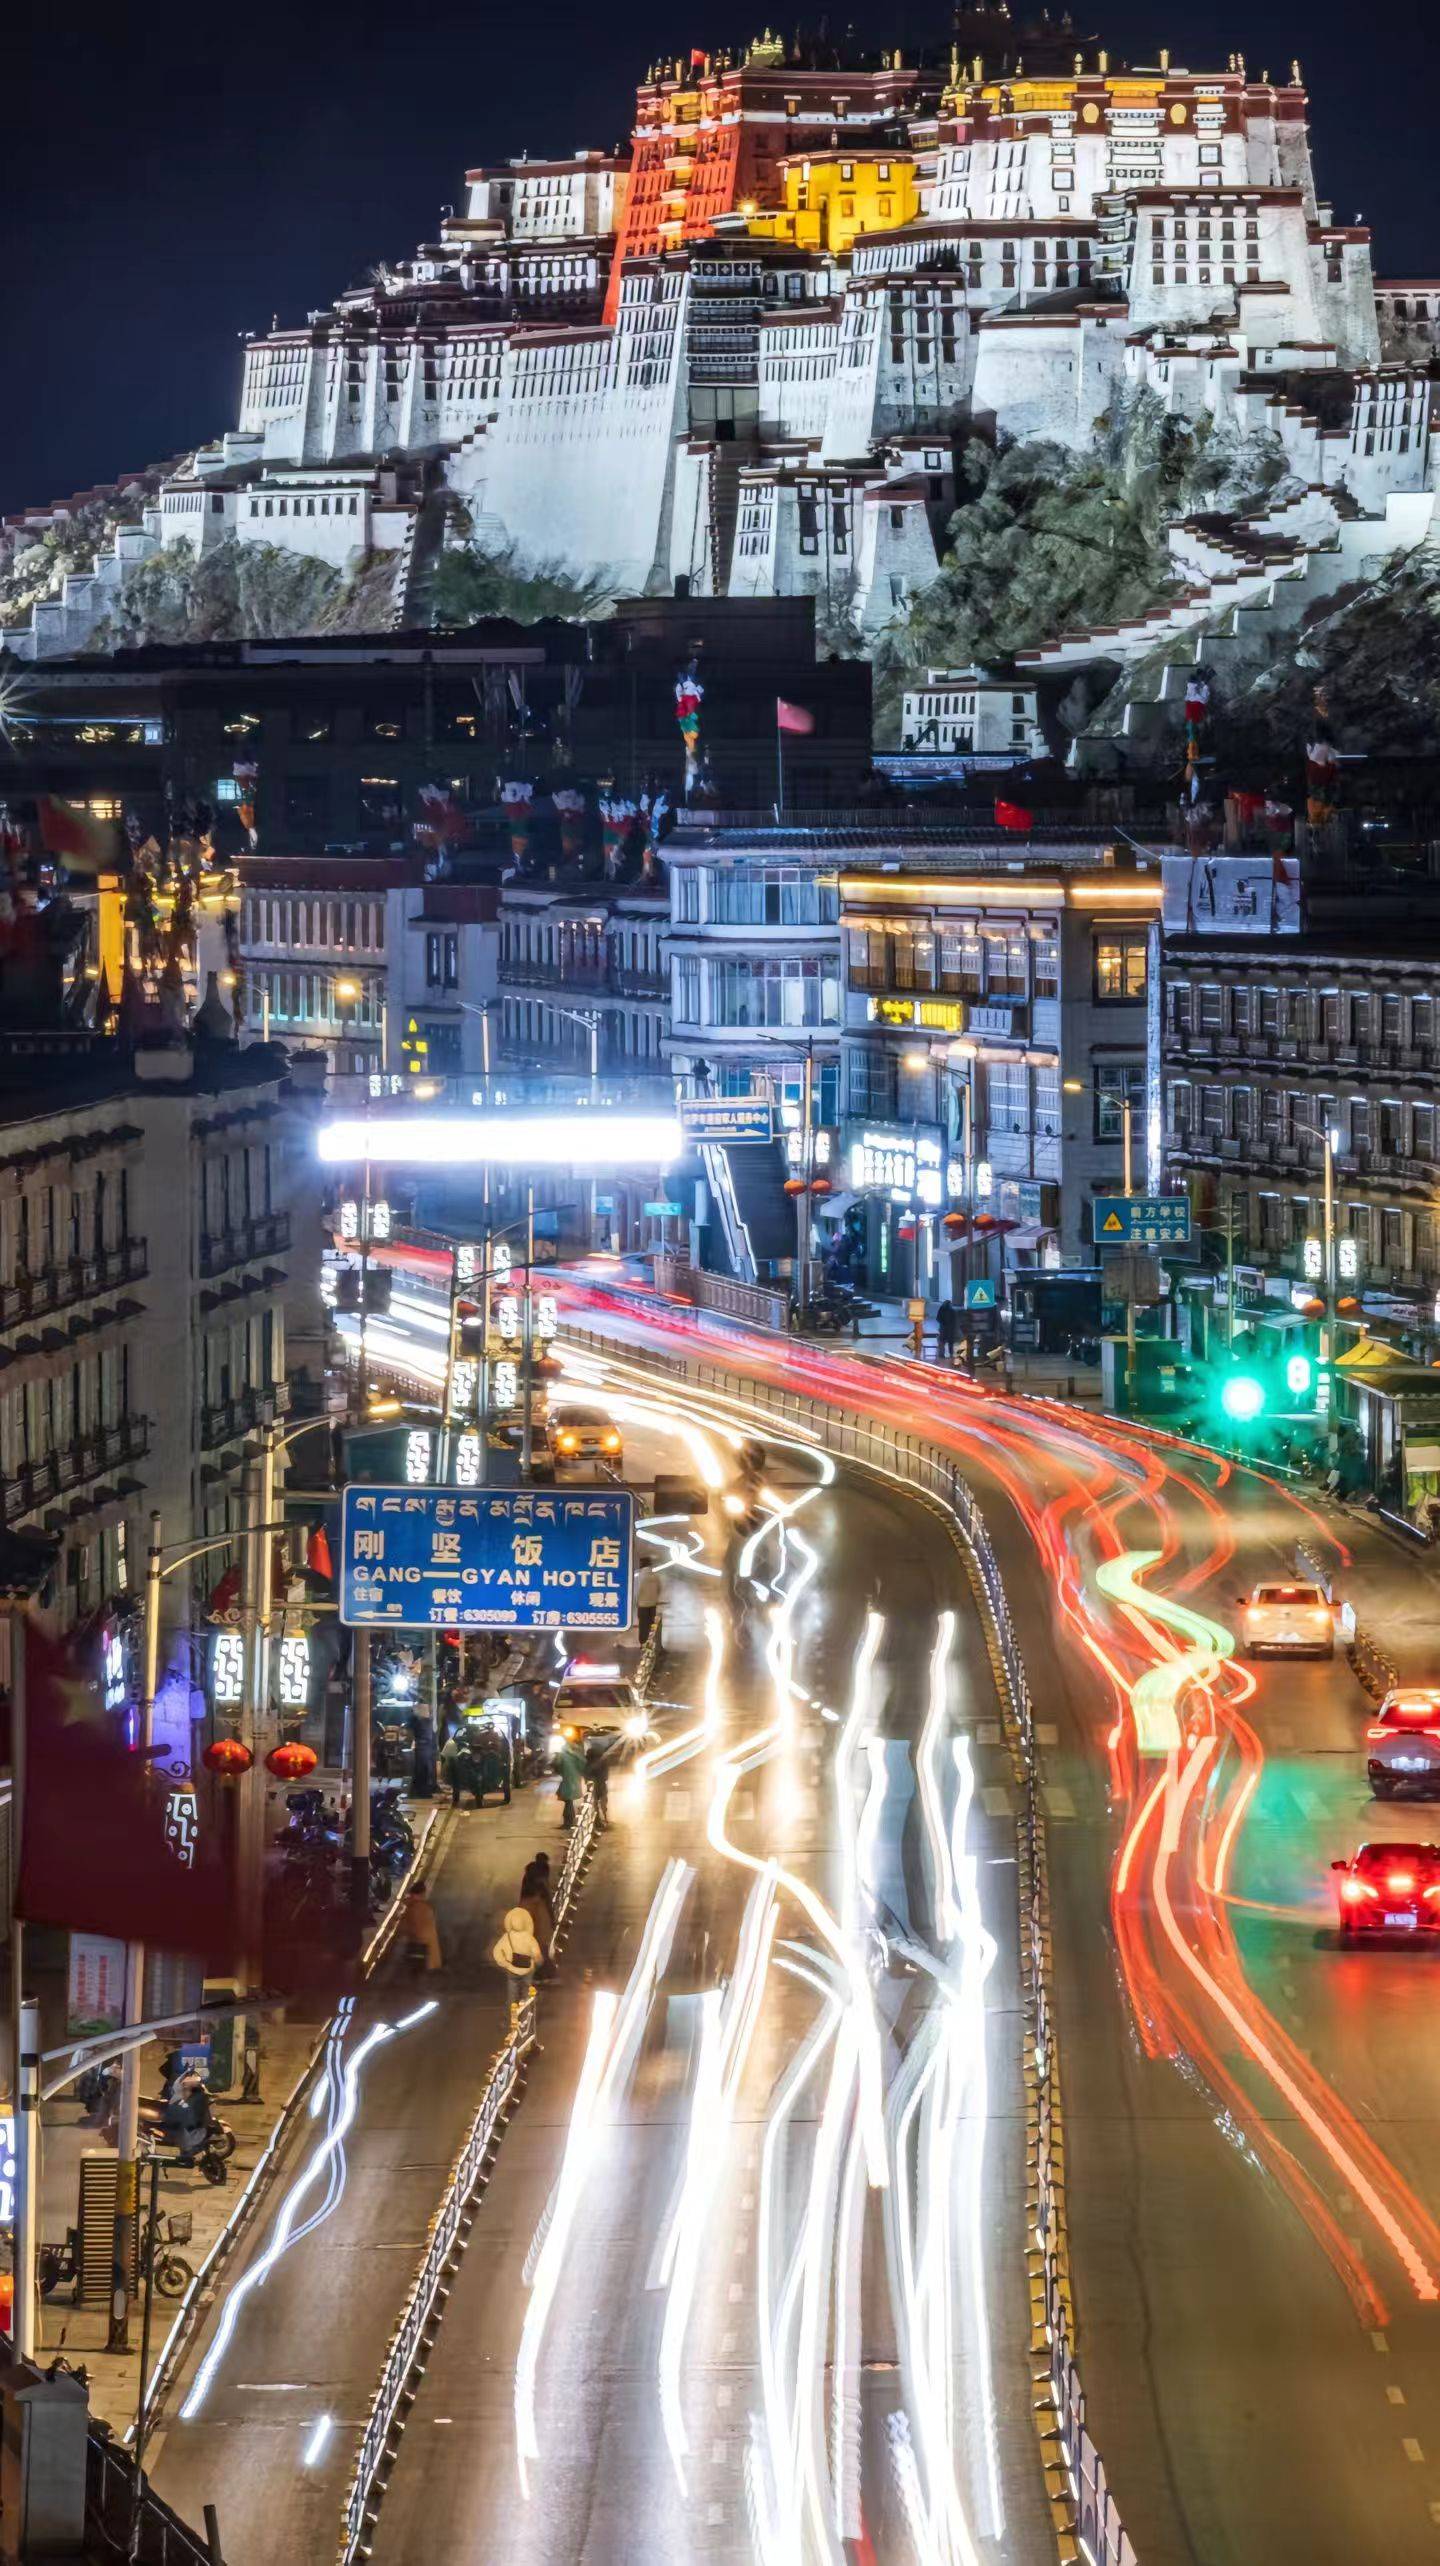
(779, 765)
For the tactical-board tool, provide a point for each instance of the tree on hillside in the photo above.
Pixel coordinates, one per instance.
(471, 583)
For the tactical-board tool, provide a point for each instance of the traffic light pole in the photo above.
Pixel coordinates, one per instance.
(1125, 1133)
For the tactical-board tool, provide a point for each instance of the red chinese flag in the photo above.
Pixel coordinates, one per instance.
(317, 1554)
(94, 1855)
(1013, 815)
(794, 718)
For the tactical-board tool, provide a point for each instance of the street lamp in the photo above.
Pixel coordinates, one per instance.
(589, 1017)
(1329, 1136)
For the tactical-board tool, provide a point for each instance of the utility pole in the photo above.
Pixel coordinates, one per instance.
(527, 1358)
(360, 1783)
(127, 2143)
(802, 1199)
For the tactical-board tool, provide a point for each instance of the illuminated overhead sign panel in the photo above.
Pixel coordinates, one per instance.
(907, 1165)
(598, 1139)
(502, 1559)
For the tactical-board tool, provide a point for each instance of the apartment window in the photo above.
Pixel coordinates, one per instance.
(442, 961)
(1212, 1008)
(686, 994)
(1007, 1096)
(1118, 1083)
(379, 801)
(685, 895)
(1046, 966)
(1122, 968)
(1047, 1103)
(307, 802)
(872, 1082)
(1180, 1106)
(1006, 966)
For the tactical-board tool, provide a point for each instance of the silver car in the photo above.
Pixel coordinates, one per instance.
(1403, 1742)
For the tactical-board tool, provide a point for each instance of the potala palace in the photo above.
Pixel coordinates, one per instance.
(733, 359)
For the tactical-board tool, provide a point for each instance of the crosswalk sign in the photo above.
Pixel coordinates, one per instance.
(979, 1296)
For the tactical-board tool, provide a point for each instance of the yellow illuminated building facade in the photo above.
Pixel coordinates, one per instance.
(831, 196)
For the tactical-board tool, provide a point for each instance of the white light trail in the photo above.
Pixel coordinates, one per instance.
(576, 2169)
(616, 2025)
(310, 2455)
(304, 2184)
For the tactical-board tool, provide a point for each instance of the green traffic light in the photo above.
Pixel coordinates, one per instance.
(1242, 1397)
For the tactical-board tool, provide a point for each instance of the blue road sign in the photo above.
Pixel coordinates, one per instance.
(663, 1211)
(1142, 1220)
(494, 1559)
(728, 1118)
(979, 1296)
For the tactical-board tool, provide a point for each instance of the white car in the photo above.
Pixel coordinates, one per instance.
(1403, 1741)
(1292, 1620)
(595, 1702)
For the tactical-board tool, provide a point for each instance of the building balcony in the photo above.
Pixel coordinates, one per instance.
(226, 1420)
(519, 972)
(74, 1467)
(60, 1287)
(264, 1234)
(640, 984)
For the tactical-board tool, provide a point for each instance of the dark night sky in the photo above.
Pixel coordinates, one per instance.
(171, 181)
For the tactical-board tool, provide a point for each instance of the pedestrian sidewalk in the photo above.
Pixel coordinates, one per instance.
(1039, 1376)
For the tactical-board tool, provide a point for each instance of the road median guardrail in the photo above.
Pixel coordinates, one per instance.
(415, 2333)
(1087, 2523)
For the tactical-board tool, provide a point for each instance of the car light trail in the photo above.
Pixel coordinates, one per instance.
(299, 2191)
(727, 2028)
(1352, 2174)
(575, 2171)
(1155, 1697)
(616, 2024)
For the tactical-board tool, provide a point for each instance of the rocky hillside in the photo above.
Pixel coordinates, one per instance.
(241, 592)
(1047, 541)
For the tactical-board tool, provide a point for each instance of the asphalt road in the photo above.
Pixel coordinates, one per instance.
(713, 2338)
(1252, 2114)
(308, 2343)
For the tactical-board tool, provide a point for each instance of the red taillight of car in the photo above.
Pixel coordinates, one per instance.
(1353, 1891)
(1400, 1883)
(1415, 1714)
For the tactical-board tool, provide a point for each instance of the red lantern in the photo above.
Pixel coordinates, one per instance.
(819, 1184)
(794, 1184)
(291, 1760)
(955, 1222)
(228, 1756)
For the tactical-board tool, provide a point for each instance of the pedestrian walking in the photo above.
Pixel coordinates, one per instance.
(538, 1900)
(418, 1924)
(422, 1767)
(457, 1767)
(647, 1600)
(597, 1774)
(946, 1329)
(572, 1774)
(517, 1952)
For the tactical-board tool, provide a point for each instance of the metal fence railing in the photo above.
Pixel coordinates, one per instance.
(1075, 2474)
(124, 2517)
(414, 2333)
